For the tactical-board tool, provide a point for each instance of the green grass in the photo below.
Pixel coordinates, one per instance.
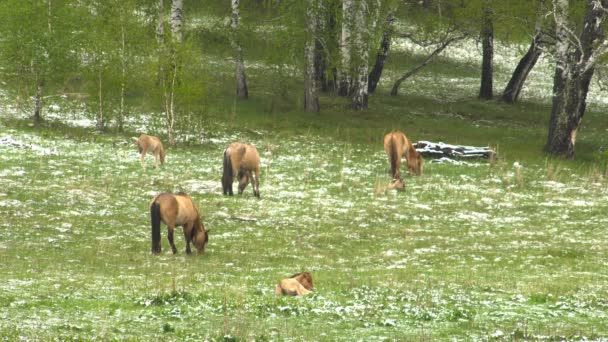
(468, 252)
(487, 251)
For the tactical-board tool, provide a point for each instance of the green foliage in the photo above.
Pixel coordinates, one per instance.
(39, 44)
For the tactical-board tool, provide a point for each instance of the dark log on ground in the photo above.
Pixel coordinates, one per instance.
(441, 150)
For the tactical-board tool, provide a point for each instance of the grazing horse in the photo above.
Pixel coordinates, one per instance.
(148, 143)
(177, 210)
(297, 285)
(396, 144)
(243, 161)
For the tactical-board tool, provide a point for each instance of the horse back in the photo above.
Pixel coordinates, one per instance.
(186, 210)
(244, 156)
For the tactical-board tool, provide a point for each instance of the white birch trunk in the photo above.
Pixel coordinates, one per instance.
(100, 117)
(241, 79)
(344, 72)
(177, 20)
(311, 96)
(361, 42)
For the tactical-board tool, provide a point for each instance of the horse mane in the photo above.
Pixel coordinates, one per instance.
(411, 150)
(305, 279)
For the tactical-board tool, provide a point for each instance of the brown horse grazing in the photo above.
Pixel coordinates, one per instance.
(177, 210)
(396, 144)
(297, 285)
(243, 161)
(148, 143)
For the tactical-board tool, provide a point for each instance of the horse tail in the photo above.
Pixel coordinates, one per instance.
(393, 155)
(155, 220)
(227, 176)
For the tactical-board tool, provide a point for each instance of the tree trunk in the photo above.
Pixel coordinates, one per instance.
(487, 41)
(160, 40)
(320, 55)
(345, 72)
(311, 96)
(123, 75)
(100, 124)
(525, 65)
(241, 79)
(177, 20)
(573, 75)
(528, 61)
(361, 41)
(385, 44)
(38, 102)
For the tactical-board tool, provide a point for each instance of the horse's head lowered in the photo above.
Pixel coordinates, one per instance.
(415, 163)
(200, 237)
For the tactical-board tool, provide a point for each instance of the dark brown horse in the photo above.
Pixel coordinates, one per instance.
(177, 210)
(396, 144)
(243, 161)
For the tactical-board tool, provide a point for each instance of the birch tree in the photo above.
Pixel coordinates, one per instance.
(241, 79)
(344, 71)
(170, 81)
(576, 56)
(361, 38)
(311, 96)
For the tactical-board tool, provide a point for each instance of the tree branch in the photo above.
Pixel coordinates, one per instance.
(426, 61)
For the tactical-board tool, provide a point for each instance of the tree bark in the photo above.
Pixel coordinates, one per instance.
(573, 73)
(242, 90)
(528, 61)
(345, 72)
(100, 122)
(487, 41)
(520, 74)
(382, 55)
(311, 96)
(38, 102)
(177, 20)
(361, 42)
(320, 54)
(160, 40)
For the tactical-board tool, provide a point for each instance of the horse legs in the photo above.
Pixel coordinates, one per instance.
(170, 230)
(142, 157)
(157, 157)
(255, 183)
(188, 235)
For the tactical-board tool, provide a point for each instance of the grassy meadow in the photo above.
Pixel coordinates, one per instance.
(514, 249)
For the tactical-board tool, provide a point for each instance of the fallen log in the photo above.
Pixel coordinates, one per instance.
(442, 150)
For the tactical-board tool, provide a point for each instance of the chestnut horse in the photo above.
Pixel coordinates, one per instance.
(297, 285)
(177, 210)
(148, 143)
(242, 161)
(396, 144)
